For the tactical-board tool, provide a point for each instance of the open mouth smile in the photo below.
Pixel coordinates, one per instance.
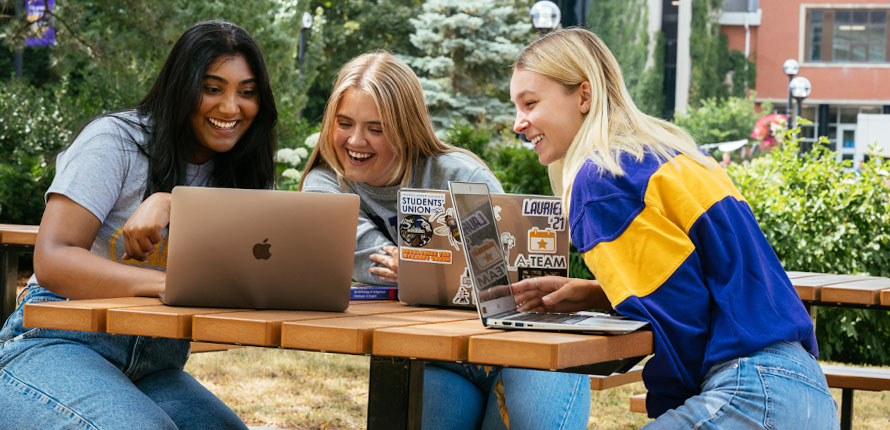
(359, 156)
(222, 125)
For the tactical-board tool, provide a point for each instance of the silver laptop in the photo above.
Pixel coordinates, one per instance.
(432, 269)
(488, 272)
(260, 249)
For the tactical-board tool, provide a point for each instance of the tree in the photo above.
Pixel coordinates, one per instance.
(713, 63)
(465, 56)
(623, 26)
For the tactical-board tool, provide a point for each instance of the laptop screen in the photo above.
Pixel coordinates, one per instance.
(484, 253)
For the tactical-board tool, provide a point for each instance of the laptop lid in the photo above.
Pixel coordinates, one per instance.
(260, 249)
(432, 269)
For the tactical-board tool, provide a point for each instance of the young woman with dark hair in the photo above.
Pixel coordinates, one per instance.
(208, 121)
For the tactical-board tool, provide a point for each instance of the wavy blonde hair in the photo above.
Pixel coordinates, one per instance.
(613, 126)
(397, 93)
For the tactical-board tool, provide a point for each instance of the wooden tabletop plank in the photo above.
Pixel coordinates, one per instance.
(159, 320)
(263, 327)
(80, 315)
(443, 341)
(885, 298)
(551, 350)
(796, 275)
(860, 378)
(809, 288)
(865, 291)
(14, 234)
(354, 335)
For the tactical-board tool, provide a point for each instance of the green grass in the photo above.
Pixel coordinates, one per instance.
(311, 390)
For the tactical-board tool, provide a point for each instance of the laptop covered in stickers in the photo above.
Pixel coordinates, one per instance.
(432, 268)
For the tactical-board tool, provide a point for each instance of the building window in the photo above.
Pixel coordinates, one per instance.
(847, 35)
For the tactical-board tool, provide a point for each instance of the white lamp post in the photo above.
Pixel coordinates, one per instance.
(791, 68)
(545, 16)
(799, 88)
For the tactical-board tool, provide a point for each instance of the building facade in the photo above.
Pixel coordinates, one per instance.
(843, 48)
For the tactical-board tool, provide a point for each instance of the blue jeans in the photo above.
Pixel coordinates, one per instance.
(462, 396)
(778, 387)
(63, 379)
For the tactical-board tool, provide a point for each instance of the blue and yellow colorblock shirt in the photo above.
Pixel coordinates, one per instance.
(674, 243)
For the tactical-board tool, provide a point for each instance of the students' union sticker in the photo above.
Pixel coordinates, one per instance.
(415, 230)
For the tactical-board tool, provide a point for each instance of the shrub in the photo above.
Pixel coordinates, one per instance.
(822, 216)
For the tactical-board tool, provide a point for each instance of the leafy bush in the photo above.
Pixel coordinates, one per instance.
(822, 216)
(35, 123)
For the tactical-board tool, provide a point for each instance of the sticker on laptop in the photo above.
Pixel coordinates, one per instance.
(415, 230)
(535, 272)
(543, 241)
(426, 204)
(464, 295)
(541, 207)
(486, 254)
(539, 260)
(439, 256)
(447, 227)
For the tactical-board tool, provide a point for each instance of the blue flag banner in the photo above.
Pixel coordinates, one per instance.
(41, 26)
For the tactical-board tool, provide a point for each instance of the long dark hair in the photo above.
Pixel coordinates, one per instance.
(176, 95)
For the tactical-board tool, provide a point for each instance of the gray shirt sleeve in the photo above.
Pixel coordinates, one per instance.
(369, 238)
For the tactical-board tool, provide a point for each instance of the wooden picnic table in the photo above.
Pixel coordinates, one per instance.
(399, 339)
(13, 239)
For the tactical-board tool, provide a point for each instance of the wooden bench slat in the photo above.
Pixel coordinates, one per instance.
(638, 403)
(885, 298)
(199, 347)
(552, 350)
(604, 382)
(12, 234)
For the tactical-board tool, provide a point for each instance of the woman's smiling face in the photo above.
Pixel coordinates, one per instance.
(360, 142)
(547, 113)
(229, 103)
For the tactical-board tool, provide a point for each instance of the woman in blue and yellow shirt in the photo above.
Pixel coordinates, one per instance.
(671, 241)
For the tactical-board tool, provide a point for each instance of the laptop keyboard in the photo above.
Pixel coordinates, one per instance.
(546, 317)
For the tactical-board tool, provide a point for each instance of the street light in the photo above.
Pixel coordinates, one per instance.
(307, 24)
(799, 88)
(545, 16)
(791, 68)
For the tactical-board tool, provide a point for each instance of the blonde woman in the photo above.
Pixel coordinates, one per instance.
(376, 137)
(672, 242)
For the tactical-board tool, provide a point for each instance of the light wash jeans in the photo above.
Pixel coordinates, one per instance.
(778, 387)
(462, 397)
(59, 379)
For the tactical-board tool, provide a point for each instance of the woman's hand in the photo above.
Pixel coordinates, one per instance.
(390, 270)
(559, 294)
(143, 229)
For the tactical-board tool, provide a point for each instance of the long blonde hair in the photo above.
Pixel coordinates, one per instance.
(397, 93)
(614, 125)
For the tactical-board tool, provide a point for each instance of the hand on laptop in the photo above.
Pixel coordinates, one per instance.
(143, 229)
(559, 294)
(390, 270)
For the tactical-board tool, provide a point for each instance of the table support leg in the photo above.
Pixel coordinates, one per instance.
(846, 409)
(9, 268)
(395, 393)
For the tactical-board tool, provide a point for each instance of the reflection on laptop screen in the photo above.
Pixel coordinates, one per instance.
(484, 252)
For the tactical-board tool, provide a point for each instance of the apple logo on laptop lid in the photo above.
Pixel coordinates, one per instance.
(261, 250)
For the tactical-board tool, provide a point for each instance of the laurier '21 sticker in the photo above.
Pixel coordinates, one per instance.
(415, 230)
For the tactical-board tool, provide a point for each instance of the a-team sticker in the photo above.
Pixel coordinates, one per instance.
(440, 256)
(545, 261)
(543, 241)
(415, 230)
(427, 204)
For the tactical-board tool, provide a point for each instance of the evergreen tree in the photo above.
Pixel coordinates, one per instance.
(717, 71)
(465, 52)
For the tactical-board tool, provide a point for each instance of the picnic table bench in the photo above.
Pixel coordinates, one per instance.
(398, 338)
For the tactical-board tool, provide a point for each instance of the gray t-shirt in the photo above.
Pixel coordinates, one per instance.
(377, 215)
(105, 172)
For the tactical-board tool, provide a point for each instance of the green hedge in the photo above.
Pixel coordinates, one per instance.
(821, 215)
